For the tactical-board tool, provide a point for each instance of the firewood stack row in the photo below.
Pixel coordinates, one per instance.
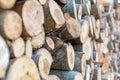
(59, 40)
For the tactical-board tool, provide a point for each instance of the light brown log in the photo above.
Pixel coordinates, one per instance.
(10, 24)
(87, 48)
(106, 64)
(43, 2)
(63, 59)
(16, 47)
(54, 18)
(38, 40)
(43, 59)
(97, 29)
(97, 74)
(4, 57)
(67, 75)
(88, 71)
(7, 5)
(49, 44)
(53, 77)
(108, 76)
(28, 48)
(88, 18)
(80, 62)
(72, 29)
(23, 68)
(33, 16)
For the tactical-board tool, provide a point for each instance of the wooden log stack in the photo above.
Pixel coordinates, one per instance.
(59, 40)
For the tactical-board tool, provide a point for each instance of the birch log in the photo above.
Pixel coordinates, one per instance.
(4, 57)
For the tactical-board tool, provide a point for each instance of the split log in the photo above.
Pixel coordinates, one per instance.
(63, 58)
(67, 75)
(97, 74)
(72, 29)
(16, 47)
(106, 64)
(38, 40)
(7, 5)
(28, 48)
(54, 18)
(27, 70)
(88, 71)
(4, 57)
(10, 24)
(43, 59)
(43, 2)
(80, 62)
(33, 16)
(88, 18)
(108, 76)
(84, 30)
(49, 44)
(53, 77)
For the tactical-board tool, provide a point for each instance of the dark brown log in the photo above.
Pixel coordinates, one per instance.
(67, 75)
(4, 57)
(63, 59)
(22, 69)
(10, 24)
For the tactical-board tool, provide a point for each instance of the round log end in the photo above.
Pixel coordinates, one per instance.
(50, 43)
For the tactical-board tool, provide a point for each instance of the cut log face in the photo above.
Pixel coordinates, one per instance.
(42, 1)
(52, 77)
(80, 63)
(33, 17)
(5, 5)
(56, 13)
(63, 59)
(108, 76)
(87, 49)
(72, 29)
(4, 57)
(84, 31)
(88, 71)
(44, 60)
(38, 41)
(97, 29)
(27, 70)
(97, 74)
(106, 64)
(28, 49)
(67, 75)
(10, 25)
(18, 47)
(88, 18)
(49, 44)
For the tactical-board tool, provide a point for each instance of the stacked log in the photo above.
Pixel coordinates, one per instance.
(59, 40)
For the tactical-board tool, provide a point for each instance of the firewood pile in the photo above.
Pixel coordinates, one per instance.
(59, 40)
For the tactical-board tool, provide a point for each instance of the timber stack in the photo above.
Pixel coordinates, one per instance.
(59, 40)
